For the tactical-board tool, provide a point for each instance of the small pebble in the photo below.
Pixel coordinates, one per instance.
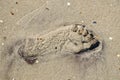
(47, 8)
(118, 55)
(94, 22)
(82, 21)
(110, 38)
(16, 2)
(55, 47)
(36, 61)
(68, 3)
(1, 21)
(11, 13)
(2, 44)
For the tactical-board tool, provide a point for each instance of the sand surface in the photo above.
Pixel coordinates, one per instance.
(23, 18)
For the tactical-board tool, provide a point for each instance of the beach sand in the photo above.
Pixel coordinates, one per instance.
(23, 18)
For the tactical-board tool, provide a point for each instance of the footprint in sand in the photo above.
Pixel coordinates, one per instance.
(68, 40)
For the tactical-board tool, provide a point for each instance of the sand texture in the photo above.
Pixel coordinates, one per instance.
(59, 39)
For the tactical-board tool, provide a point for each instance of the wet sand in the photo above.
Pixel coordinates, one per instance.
(23, 18)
